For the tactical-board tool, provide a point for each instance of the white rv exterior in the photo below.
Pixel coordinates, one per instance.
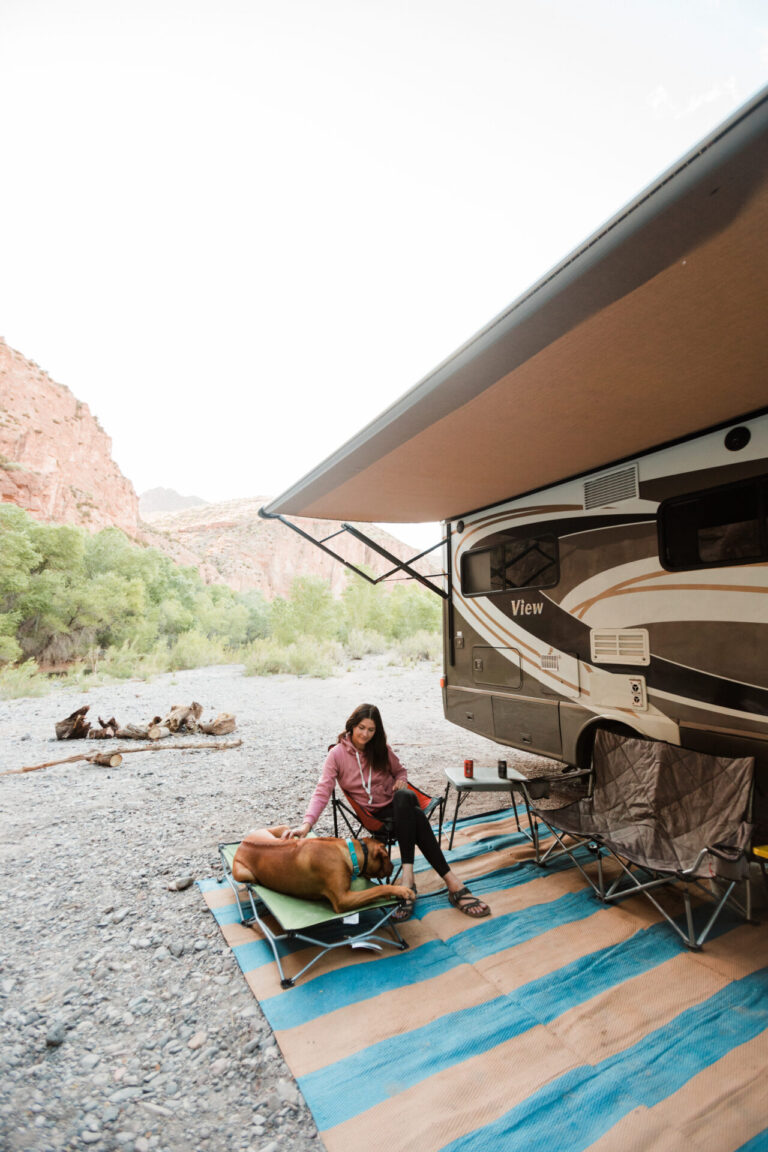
(637, 595)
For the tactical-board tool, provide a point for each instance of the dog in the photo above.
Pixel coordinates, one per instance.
(315, 867)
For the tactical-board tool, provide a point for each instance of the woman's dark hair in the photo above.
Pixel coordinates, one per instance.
(376, 749)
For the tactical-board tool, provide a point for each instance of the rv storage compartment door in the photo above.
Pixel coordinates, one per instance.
(470, 710)
(530, 724)
(499, 666)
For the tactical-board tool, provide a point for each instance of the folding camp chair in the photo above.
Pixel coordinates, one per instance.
(296, 918)
(666, 816)
(356, 818)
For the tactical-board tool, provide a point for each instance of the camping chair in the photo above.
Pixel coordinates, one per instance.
(667, 816)
(356, 818)
(296, 918)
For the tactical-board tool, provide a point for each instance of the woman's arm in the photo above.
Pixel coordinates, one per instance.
(397, 770)
(320, 796)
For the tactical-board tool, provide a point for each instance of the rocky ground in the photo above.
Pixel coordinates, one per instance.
(126, 1024)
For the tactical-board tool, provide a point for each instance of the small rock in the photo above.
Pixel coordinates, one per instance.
(287, 1091)
(197, 1040)
(89, 1137)
(200, 945)
(162, 953)
(176, 948)
(180, 883)
(219, 1066)
(56, 1034)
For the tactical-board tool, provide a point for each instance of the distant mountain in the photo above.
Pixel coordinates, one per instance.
(156, 501)
(230, 543)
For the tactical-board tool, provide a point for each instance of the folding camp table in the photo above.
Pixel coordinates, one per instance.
(296, 917)
(487, 779)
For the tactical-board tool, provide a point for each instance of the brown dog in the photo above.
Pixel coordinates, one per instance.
(315, 867)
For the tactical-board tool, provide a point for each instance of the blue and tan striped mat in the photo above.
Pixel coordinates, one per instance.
(556, 1023)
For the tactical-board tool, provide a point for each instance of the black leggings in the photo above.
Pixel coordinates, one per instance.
(412, 829)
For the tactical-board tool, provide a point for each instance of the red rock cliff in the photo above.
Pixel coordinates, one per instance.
(55, 458)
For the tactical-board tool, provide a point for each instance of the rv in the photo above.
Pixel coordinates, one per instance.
(598, 457)
(635, 596)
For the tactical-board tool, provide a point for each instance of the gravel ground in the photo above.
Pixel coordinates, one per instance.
(126, 1024)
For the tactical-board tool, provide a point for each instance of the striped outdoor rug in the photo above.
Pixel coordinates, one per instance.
(556, 1023)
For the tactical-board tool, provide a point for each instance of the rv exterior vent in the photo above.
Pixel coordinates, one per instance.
(550, 662)
(609, 489)
(619, 646)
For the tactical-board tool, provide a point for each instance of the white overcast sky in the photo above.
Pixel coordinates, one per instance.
(239, 229)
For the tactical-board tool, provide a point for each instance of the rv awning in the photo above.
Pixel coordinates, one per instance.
(656, 328)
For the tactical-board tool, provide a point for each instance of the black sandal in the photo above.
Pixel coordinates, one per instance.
(405, 910)
(469, 904)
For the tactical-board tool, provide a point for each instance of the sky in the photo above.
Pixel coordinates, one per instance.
(239, 230)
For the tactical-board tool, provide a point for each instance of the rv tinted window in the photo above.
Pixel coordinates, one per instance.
(715, 528)
(530, 563)
(517, 563)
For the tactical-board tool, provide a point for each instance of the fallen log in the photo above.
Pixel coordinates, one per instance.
(107, 759)
(220, 747)
(184, 717)
(221, 726)
(158, 732)
(75, 726)
(132, 732)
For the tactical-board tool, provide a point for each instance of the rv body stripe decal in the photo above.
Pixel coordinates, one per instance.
(558, 630)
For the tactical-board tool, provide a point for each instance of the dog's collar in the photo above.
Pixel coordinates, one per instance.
(356, 869)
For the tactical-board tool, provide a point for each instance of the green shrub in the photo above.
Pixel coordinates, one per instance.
(420, 646)
(309, 658)
(363, 642)
(195, 650)
(23, 680)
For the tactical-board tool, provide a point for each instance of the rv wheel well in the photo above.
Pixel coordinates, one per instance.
(587, 739)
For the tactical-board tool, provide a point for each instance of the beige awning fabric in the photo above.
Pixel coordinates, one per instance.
(653, 330)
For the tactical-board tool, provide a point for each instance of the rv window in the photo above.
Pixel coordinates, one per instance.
(517, 563)
(530, 563)
(715, 528)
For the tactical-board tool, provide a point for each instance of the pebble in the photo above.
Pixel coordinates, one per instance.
(180, 883)
(132, 975)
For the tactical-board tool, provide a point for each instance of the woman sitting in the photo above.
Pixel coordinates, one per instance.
(366, 768)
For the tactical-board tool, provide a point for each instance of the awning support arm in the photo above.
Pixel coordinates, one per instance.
(399, 565)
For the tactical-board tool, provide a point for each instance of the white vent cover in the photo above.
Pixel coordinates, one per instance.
(612, 487)
(550, 662)
(619, 646)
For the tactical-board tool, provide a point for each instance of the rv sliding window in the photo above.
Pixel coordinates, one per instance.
(715, 528)
(518, 562)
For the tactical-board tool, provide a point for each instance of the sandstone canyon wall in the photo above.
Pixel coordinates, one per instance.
(231, 544)
(55, 458)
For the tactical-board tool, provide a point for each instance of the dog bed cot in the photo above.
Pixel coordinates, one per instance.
(312, 922)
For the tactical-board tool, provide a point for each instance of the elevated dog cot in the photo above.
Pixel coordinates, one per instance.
(311, 922)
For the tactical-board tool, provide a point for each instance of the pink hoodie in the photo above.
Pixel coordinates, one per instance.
(341, 767)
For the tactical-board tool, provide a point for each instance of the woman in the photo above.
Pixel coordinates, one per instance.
(367, 769)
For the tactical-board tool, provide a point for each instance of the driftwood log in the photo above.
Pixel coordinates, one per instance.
(181, 718)
(75, 726)
(107, 759)
(132, 732)
(91, 756)
(221, 726)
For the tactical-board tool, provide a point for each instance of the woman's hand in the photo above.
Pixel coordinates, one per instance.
(297, 833)
(400, 785)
